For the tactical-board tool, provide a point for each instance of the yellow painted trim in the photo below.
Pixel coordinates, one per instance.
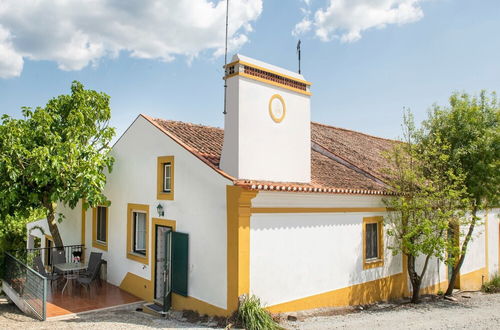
(46, 255)
(238, 243)
(367, 264)
(48, 238)
(406, 292)
(473, 280)
(249, 76)
(316, 209)
(130, 254)
(189, 303)
(359, 294)
(160, 194)
(83, 218)
(95, 243)
(162, 222)
(268, 70)
(276, 119)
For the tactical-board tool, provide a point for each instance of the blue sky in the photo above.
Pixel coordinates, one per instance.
(405, 58)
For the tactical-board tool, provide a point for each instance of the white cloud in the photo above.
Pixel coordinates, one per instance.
(302, 27)
(11, 64)
(76, 33)
(347, 19)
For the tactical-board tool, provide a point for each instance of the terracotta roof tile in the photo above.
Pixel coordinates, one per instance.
(361, 152)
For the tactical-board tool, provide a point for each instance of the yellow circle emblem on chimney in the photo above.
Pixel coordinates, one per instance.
(277, 108)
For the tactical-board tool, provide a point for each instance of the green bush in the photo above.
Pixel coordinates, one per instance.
(253, 316)
(493, 285)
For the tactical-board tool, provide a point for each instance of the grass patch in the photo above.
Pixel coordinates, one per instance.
(493, 285)
(253, 316)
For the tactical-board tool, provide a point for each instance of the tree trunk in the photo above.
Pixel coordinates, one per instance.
(51, 221)
(415, 279)
(463, 251)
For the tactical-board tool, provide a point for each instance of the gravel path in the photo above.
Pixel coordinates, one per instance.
(481, 311)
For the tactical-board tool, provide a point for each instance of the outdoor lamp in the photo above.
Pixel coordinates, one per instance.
(160, 210)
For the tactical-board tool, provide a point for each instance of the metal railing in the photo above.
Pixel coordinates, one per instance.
(70, 251)
(30, 286)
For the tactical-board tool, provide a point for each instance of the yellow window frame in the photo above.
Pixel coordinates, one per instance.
(379, 262)
(160, 194)
(143, 259)
(95, 243)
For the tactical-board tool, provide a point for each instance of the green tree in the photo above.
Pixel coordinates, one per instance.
(469, 126)
(56, 154)
(425, 195)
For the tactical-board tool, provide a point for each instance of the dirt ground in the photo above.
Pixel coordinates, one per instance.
(480, 311)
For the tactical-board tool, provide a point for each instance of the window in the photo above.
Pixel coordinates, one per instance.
(137, 232)
(167, 182)
(373, 252)
(371, 246)
(100, 227)
(165, 178)
(101, 224)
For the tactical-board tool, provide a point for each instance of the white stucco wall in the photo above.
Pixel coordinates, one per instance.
(494, 241)
(475, 258)
(199, 209)
(437, 272)
(69, 228)
(299, 255)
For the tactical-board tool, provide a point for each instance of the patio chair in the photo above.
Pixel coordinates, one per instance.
(87, 280)
(40, 268)
(58, 257)
(94, 259)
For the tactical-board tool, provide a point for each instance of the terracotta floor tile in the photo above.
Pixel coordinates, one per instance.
(76, 298)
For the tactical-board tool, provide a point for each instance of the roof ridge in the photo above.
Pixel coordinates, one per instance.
(351, 130)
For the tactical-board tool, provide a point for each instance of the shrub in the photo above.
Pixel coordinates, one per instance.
(493, 285)
(253, 316)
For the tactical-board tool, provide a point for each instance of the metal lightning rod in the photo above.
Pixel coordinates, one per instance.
(298, 53)
(225, 60)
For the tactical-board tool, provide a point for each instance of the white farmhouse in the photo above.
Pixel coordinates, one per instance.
(273, 205)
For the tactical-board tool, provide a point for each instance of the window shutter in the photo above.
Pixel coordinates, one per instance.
(180, 263)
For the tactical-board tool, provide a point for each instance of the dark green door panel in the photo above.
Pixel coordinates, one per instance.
(180, 263)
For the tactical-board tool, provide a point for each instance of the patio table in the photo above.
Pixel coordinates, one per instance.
(72, 268)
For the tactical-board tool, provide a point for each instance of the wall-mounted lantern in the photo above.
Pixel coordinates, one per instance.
(161, 211)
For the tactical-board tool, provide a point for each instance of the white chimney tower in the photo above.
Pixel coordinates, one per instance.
(267, 128)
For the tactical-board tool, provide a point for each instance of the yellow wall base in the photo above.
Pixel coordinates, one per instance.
(365, 293)
(143, 289)
(137, 286)
(473, 280)
(189, 303)
(435, 288)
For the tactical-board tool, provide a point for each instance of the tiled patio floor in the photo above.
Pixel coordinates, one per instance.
(77, 299)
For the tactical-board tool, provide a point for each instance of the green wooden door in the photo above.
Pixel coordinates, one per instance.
(180, 263)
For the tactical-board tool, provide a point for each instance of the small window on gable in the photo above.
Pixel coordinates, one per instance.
(165, 178)
(373, 252)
